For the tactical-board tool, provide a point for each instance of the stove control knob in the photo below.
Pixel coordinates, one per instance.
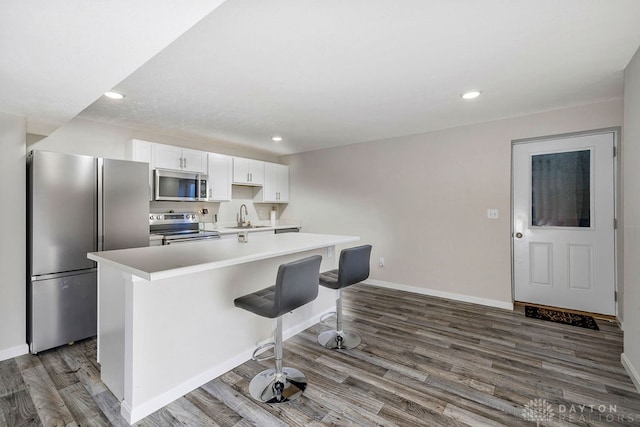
(151, 217)
(158, 217)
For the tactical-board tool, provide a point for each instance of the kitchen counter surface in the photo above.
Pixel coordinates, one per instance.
(160, 262)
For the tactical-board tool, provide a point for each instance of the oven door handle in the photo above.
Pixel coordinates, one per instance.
(189, 239)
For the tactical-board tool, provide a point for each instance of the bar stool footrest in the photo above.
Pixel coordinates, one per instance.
(255, 357)
(324, 317)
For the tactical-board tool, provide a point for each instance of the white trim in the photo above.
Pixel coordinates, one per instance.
(441, 294)
(150, 406)
(633, 373)
(12, 352)
(620, 323)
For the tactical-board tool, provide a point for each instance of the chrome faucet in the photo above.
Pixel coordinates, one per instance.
(239, 217)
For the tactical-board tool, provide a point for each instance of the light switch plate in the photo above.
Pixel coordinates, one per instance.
(493, 213)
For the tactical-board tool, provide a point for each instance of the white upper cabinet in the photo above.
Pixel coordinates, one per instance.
(142, 151)
(248, 171)
(177, 158)
(220, 177)
(194, 160)
(276, 183)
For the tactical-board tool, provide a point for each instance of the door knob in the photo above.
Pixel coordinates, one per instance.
(519, 235)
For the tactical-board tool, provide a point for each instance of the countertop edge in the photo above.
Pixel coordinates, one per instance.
(125, 268)
(165, 274)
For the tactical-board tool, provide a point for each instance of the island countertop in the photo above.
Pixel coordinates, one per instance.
(160, 262)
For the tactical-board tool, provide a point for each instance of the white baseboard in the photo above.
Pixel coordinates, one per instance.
(12, 352)
(441, 294)
(633, 373)
(133, 415)
(620, 323)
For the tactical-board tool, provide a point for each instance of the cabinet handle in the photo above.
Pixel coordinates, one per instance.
(251, 177)
(210, 190)
(248, 180)
(185, 162)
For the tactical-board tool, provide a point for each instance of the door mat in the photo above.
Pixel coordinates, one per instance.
(561, 317)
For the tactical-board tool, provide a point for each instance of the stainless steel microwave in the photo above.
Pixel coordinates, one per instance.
(180, 186)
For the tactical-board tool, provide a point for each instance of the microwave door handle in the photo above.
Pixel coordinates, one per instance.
(156, 188)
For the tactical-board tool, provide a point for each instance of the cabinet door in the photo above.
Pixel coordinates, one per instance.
(276, 183)
(283, 183)
(219, 173)
(270, 187)
(143, 152)
(167, 157)
(256, 172)
(194, 160)
(240, 170)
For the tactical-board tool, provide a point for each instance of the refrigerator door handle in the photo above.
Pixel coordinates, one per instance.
(99, 244)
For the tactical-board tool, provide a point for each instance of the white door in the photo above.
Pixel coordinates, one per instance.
(563, 222)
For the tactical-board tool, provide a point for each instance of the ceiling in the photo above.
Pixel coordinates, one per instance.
(318, 73)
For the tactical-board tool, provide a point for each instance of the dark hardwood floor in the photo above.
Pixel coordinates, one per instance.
(423, 361)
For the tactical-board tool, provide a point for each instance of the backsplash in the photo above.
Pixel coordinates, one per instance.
(226, 211)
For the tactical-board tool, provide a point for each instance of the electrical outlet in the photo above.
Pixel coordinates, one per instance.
(381, 262)
(493, 213)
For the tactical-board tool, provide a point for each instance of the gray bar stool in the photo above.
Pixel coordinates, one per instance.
(353, 268)
(296, 285)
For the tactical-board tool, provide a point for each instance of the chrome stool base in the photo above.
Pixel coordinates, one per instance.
(333, 340)
(263, 387)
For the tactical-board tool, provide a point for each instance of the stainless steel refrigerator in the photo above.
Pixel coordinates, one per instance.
(75, 205)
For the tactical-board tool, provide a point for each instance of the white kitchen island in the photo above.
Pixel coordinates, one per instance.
(166, 319)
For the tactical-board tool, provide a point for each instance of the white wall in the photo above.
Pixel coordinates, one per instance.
(13, 232)
(631, 227)
(422, 200)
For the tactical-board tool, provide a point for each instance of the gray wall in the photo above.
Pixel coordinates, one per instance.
(13, 231)
(631, 227)
(422, 200)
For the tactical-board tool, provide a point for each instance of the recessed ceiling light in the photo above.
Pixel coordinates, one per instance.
(276, 138)
(113, 95)
(471, 94)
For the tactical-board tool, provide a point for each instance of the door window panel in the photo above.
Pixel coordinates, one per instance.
(561, 189)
